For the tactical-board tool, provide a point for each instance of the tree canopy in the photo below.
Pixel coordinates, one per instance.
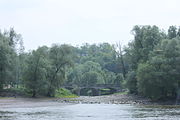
(149, 65)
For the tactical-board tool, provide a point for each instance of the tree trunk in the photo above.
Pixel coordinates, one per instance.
(120, 55)
(34, 94)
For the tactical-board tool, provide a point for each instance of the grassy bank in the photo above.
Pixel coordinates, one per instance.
(21, 92)
(64, 93)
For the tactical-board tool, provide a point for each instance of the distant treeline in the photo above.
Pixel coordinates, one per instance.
(149, 65)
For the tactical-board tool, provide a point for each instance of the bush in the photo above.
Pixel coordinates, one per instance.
(105, 91)
(131, 82)
(64, 93)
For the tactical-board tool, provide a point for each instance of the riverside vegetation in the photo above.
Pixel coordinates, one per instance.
(148, 66)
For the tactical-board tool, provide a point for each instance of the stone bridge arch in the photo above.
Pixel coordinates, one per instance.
(93, 90)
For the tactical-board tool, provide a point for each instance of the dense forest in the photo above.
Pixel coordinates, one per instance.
(149, 65)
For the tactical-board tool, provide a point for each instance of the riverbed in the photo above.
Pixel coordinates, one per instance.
(49, 109)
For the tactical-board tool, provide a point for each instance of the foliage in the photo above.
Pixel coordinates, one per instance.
(35, 73)
(131, 82)
(60, 57)
(149, 65)
(64, 93)
(45, 71)
(8, 54)
(147, 81)
(89, 78)
(158, 77)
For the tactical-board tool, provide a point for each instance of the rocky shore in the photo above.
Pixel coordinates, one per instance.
(106, 99)
(116, 99)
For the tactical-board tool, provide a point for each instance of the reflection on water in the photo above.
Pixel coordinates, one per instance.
(91, 112)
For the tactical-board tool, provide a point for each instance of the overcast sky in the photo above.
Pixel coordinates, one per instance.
(43, 22)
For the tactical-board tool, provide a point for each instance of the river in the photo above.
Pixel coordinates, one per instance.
(90, 112)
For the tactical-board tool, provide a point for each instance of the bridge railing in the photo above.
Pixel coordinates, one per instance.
(97, 85)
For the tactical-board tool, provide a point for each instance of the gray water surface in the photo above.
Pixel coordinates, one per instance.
(92, 112)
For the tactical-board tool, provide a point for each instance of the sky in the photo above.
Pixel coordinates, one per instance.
(75, 22)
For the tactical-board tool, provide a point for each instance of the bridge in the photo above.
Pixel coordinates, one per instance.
(96, 89)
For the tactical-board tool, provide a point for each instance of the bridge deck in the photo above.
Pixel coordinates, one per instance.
(98, 86)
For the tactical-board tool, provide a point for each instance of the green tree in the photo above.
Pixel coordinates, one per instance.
(159, 77)
(36, 71)
(121, 58)
(90, 78)
(8, 56)
(147, 81)
(76, 76)
(131, 82)
(145, 39)
(172, 32)
(4, 58)
(60, 57)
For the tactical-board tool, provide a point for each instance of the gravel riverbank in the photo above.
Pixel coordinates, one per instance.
(116, 99)
(106, 99)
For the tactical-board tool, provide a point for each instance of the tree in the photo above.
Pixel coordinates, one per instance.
(90, 78)
(178, 32)
(7, 57)
(121, 58)
(131, 82)
(109, 77)
(119, 80)
(4, 58)
(36, 71)
(137, 52)
(172, 32)
(74, 76)
(60, 57)
(80, 71)
(148, 83)
(159, 77)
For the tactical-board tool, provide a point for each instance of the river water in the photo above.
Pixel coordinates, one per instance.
(91, 112)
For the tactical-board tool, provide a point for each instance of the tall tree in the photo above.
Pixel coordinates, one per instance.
(172, 32)
(159, 77)
(4, 58)
(8, 56)
(145, 39)
(35, 74)
(121, 58)
(60, 57)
